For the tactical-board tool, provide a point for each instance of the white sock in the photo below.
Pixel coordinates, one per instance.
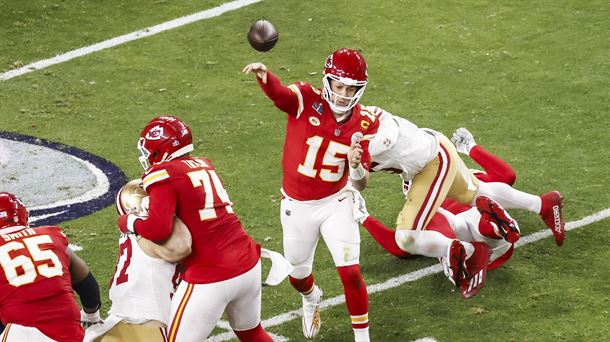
(509, 197)
(311, 295)
(361, 335)
(422, 242)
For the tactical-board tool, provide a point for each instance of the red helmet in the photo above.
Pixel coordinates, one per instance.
(12, 211)
(348, 67)
(164, 138)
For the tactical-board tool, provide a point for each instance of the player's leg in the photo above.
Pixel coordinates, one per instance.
(384, 237)
(301, 231)
(501, 250)
(342, 237)
(244, 307)
(427, 191)
(195, 310)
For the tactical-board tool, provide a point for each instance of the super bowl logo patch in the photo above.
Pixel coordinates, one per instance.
(155, 133)
(314, 121)
(317, 107)
(364, 124)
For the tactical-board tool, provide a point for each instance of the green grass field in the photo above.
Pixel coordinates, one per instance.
(531, 80)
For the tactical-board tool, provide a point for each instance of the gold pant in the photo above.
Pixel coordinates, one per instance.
(134, 332)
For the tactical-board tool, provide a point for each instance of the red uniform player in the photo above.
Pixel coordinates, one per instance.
(36, 298)
(316, 195)
(223, 271)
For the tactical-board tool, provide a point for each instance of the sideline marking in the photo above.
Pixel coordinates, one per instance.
(149, 31)
(412, 276)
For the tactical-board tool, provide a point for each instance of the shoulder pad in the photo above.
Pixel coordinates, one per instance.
(153, 177)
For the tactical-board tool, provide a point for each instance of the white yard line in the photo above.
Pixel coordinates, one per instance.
(149, 31)
(412, 276)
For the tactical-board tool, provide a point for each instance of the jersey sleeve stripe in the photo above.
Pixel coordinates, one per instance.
(297, 92)
(155, 177)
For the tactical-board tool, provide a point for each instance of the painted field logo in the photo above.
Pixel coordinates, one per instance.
(56, 182)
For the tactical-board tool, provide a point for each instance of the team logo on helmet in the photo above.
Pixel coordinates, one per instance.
(155, 133)
(329, 62)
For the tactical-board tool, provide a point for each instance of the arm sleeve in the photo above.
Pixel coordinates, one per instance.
(159, 223)
(496, 169)
(282, 96)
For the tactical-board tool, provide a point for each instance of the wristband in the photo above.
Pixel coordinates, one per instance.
(357, 173)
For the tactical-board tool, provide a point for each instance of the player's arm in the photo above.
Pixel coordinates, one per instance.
(87, 288)
(157, 226)
(174, 249)
(282, 96)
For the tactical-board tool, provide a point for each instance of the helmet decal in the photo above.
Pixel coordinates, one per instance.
(155, 133)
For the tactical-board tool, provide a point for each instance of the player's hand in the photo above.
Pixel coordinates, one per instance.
(359, 209)
(89, 319)
(463, 140)
(259, 69)
(354, 156)
(126, 223)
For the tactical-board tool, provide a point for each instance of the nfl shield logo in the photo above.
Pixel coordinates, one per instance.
(337, 132)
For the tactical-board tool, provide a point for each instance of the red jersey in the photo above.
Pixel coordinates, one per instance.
(189, 188)
(36, 286)
(314, 160)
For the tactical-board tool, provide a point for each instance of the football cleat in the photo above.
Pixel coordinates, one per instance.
(476, 268)
(504, 225)
(311, 313)
(552, 215)
(456, 266)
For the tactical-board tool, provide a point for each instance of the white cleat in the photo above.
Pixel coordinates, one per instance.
(311, 313)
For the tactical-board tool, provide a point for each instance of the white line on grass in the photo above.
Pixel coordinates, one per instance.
(412, 276)
(149, 31)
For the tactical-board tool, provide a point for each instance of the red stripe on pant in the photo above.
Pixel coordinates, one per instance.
(432, 196)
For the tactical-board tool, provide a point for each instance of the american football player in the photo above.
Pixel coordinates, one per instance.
(223, 271)
(144, 279)
(316, 196)
(40, 272)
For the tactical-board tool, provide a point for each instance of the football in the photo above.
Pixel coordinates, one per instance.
(262, 36)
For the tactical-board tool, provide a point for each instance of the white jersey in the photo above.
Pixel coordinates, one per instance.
(401, 147)
(142, 286)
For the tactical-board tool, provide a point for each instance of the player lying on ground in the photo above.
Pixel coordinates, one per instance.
(431, 163)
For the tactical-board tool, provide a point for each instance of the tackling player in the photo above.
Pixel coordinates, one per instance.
(223, 271)
(39, 273)
(316, 196)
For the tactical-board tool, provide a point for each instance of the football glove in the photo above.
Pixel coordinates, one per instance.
(126, 223)
(463, 140)
(89, 319)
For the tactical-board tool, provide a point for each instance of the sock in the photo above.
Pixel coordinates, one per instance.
(384, 237)
(361, 335)
(356, 297)
(496, 169)
(255, 334)
(509, 197)
(305, 285)
(423, 242)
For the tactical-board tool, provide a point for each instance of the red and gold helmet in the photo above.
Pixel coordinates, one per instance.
(348, 67)
(164, 138)
(129, 198)
(12, 211)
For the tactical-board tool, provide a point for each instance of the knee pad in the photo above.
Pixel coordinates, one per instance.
(405, 240)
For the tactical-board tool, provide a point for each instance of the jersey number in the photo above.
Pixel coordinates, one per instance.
(124, 249)
(20, 270)
(331, 160)
(207, 178)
